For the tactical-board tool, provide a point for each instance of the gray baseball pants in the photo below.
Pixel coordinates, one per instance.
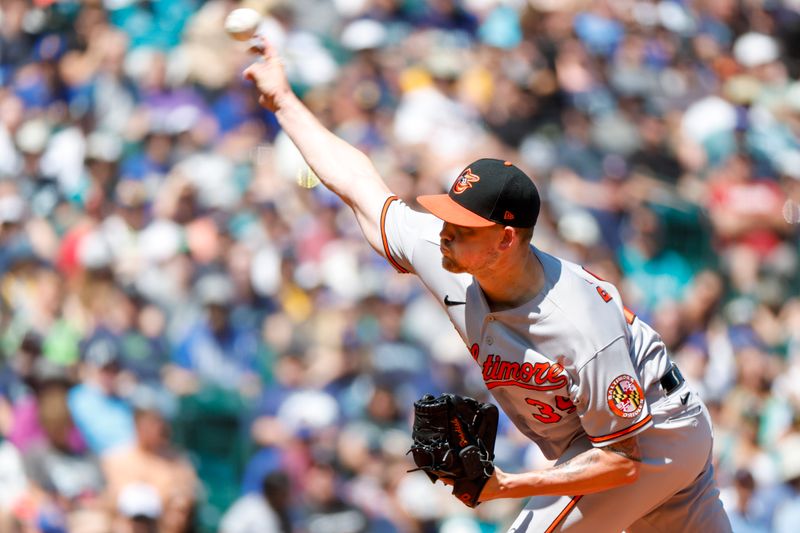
(675, 492)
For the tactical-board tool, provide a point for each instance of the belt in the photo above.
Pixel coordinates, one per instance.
(671, 380)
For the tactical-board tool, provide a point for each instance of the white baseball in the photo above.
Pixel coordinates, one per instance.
(242, 23)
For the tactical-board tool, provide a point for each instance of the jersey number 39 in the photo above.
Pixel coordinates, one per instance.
(547, 414)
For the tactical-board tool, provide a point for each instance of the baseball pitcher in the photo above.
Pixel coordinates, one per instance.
(573, 369)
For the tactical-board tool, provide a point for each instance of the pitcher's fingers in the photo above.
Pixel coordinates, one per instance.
(256, 47)
(267, 50)
(248, 73)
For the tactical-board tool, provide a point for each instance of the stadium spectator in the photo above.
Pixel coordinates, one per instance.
(13, 482)
(264, 512)
(152, 463)
(68, 480)
(104, 418)
(215, 349)
(151, 233)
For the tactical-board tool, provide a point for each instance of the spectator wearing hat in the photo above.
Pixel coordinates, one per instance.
(267, 511)
(139, 509)
(745, 505)
(122, 230)
(746, 215)
(214, 349)
(155, 158)
(560, 85)
(324, 509)
(290, 413)
(17, 387)
(660, 274)
(291, 404)
(101, 163)
(104, 418)
(60, 475)
(48, 461)
(38, 183)
(15, 246)
(152, 461)
(49, 380)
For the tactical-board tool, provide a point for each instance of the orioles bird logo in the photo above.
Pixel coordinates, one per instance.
(465, 181)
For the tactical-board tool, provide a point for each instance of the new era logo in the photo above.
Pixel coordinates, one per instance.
(508, 215)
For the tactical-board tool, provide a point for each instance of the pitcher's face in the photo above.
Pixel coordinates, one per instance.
(471, 250)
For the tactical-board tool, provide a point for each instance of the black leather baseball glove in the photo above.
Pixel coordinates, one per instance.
(454, 438)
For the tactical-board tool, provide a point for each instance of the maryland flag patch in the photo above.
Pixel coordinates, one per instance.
(625, 397)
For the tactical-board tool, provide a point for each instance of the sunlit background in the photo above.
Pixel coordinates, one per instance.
(189, 339)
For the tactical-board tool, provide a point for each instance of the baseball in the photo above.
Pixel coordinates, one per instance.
(242, 23)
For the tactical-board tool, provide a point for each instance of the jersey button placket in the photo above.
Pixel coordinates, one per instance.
(489, 338)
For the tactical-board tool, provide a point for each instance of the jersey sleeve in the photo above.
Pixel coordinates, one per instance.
(401, 229)
(609, 396)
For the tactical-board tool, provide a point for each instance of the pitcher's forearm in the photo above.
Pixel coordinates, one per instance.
(341, 167)
(585, 474)
(344, 169)
(593, 470)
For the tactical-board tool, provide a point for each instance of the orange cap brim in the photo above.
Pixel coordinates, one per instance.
(443, 207)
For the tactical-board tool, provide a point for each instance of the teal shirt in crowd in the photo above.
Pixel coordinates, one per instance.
(660, 278)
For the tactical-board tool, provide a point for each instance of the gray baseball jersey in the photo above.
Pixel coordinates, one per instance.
(572, 365)
(572, 360)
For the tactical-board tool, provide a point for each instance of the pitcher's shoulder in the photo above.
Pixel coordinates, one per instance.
(588, 305)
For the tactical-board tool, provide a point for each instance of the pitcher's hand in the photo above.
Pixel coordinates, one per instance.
(492, 488)
(269, 77)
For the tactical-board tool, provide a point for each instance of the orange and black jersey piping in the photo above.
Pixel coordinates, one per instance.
(602, 439)
(384, 239)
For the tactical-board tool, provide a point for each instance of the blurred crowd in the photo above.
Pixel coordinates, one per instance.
(191, 342)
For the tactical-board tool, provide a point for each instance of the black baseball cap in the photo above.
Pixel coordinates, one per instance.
(487, 192)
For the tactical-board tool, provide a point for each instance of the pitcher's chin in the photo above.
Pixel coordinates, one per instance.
(451, 266)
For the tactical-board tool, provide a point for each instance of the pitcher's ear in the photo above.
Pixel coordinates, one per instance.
(509, 236)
